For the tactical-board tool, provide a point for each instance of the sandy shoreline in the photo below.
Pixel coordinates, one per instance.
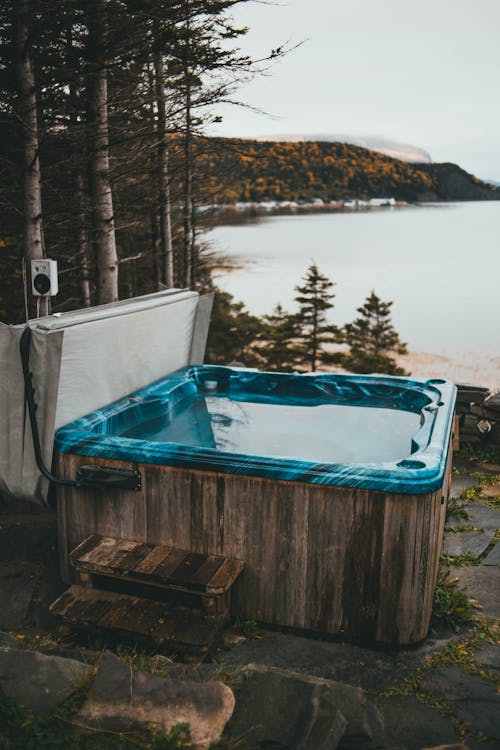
(466, 367)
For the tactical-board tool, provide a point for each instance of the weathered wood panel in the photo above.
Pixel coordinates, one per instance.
(162, 566)
(336, 560)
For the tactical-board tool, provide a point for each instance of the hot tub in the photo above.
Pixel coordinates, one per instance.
(331, 488)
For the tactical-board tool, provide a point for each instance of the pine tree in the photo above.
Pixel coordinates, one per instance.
(372, 338)
(314, 300)
(278, 345)
(233, 331)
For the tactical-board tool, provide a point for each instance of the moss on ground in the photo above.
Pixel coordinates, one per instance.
(456, 652)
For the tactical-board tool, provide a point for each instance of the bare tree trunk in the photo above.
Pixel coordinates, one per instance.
(98, 155)
(83, 245)
(81, 207)
(165, 205)
(188, 184)
(156, 246)
(153, 176)
(32, 208)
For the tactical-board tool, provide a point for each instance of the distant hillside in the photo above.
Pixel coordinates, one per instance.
(248, 170)
(403, 151)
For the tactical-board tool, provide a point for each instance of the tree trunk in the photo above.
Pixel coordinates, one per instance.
(101, 197)
(188, 172)
(165, 206)
(156, 247)
(32, 193)
(82, 241)
(79, 178)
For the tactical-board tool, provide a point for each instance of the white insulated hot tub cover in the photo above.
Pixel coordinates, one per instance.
(85, 359)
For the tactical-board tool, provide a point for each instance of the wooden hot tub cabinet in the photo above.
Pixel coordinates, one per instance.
(343, 561)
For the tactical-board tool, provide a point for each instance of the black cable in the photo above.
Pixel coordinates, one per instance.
(29, 395)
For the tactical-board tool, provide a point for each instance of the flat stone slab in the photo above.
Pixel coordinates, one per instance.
(473, 542)
(413, 725)
(340, 662)
(121, 696)
(278, 708)
(17, 585)
(473, 700)
(300, 711)
(480, 516)
(483, 584)
(38, 681)
(492, 491)
(483, 467)
(493, 557)
(9, 640)
(459, 483)
(28, 542)
(488, 655)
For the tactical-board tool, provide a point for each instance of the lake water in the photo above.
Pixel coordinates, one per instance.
(439, 263)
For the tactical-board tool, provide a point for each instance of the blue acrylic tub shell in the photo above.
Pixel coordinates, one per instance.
(421, 472)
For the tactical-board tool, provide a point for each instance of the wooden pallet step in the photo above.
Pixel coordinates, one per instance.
(212, 575)
(131, 616)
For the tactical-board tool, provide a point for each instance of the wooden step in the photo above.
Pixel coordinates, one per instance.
(211, 575)
(158, 623)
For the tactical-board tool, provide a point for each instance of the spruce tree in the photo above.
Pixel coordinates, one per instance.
(233, 331)
(372, 339)
(314, 299)
(278, 345)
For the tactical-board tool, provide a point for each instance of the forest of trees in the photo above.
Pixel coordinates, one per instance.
(247, 170)
(103, 106)
(306, 340)
(104, 162)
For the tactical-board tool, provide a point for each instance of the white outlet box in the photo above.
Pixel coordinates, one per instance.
(44, 281)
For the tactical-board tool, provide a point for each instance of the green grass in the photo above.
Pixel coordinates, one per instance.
(451, 605)
(462, 561)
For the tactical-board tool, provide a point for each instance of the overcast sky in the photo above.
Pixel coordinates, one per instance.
(425, 73)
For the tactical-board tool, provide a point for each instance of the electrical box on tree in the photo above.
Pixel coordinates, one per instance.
(44, 281)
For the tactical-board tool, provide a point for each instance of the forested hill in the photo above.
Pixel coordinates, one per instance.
(246, 170)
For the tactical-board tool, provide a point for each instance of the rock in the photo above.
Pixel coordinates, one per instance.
(473, 542)
(481, 583)
(120, 697)
(493, 402)
(479, 743)
(461, 483)
(493, 490)
(414, 725)
(302, 712)
(17, 584)
(8, 640)
(341, 662)
(468, 393)
(493, 557)
(30, 542)
(473, 700)
(488, 655)
(37, 681)
(482, 517)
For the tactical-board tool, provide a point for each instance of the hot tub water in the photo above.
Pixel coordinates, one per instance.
(322, 432)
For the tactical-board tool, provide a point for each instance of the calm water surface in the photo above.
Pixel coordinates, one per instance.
(439, 263)
(326, 432)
